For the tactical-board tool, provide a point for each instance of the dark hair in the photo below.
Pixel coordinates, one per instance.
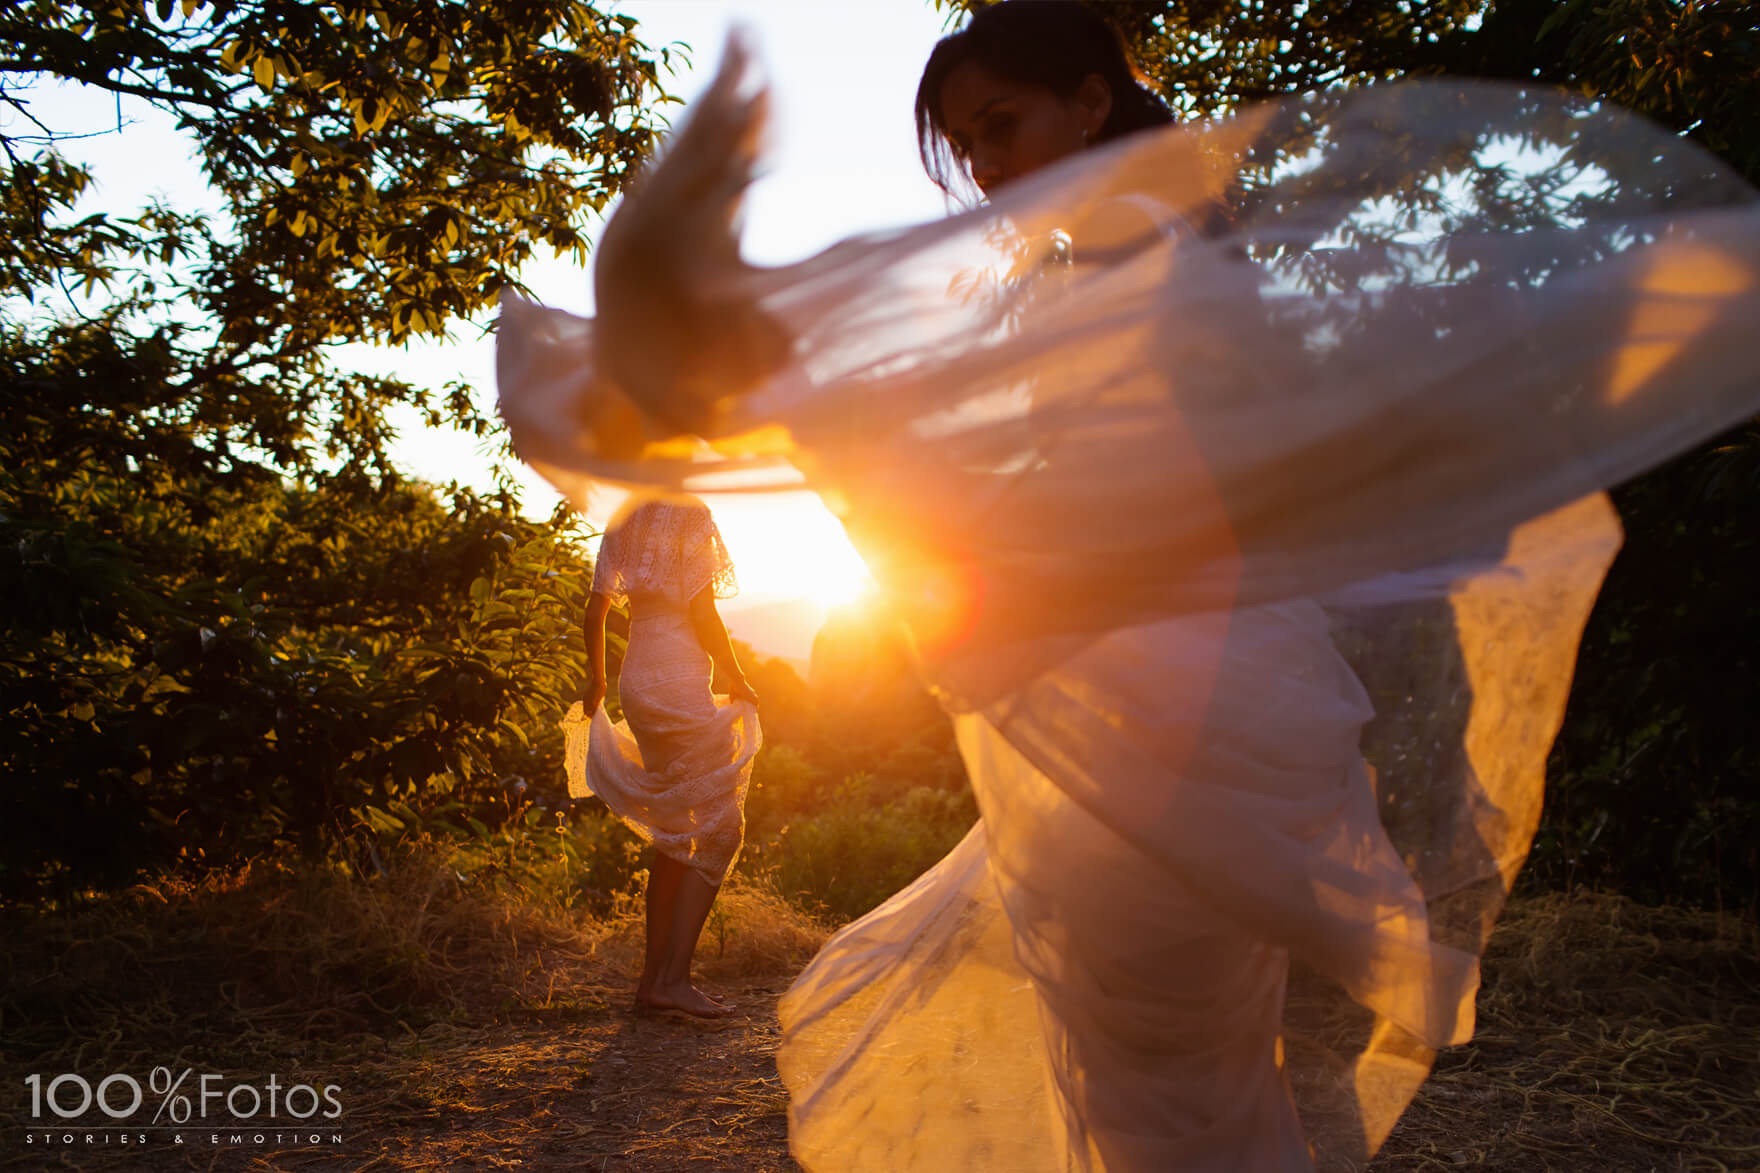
(1056, 44)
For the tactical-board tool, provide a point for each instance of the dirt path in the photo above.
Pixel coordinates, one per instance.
(597, 1088)
(613, 1091)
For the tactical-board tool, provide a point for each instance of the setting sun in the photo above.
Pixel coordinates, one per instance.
(789, 546)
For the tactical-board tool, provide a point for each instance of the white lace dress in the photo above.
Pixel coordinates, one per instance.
(1252, 567)
(677, 767)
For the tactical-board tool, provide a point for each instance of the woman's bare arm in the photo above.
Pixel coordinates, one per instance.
(712, 634)
(593, 627)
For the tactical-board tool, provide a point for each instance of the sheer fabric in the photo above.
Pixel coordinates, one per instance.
(677, 767)
(1169, 815)
(1253, 564)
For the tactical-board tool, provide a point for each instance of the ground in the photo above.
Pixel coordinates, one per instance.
(622, 1093)
(1611, 1037)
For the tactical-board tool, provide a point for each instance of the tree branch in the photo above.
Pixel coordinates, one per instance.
(114, 85)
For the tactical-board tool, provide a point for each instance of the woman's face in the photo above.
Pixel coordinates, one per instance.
(1003, 130)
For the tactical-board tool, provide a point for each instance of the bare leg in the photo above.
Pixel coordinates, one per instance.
(663, 876)
(692, 900)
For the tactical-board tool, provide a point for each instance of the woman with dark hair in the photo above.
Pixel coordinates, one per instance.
(1154, 501)
(1015, 53)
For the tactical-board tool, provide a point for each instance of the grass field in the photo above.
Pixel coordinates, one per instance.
(477, 1023)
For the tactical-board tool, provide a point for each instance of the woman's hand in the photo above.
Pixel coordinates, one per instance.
(592, 695)
(678, 328)
(741, 690)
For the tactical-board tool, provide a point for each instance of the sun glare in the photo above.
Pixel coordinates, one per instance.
(789, 546)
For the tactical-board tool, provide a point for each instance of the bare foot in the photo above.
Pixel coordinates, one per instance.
(645, 994)
(686, 999)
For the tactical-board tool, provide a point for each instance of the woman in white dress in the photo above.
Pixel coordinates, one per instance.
(1165, 484)
(677, 767)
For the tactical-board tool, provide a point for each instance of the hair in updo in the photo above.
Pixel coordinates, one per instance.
(1056, 44)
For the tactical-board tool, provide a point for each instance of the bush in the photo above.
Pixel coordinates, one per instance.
(853, 854)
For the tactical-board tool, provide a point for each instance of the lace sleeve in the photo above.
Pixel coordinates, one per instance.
(666, 548)
(703, 558)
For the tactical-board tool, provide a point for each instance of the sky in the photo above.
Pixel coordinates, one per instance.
(844, 161)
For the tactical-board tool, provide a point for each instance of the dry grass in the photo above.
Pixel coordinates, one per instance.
(1611, 1037)
(476, 1027)
(467, 1025)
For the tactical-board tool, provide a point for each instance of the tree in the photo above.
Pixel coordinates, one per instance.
(1652, 776)
(386, 165)
(386, 168)
(232, 621)
(1693, 67)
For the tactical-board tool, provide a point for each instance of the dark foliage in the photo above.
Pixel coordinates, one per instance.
(231, 622)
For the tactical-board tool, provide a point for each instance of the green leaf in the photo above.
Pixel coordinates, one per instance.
(381, 821)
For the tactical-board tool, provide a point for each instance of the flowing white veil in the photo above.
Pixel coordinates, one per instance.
(1330, 379)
